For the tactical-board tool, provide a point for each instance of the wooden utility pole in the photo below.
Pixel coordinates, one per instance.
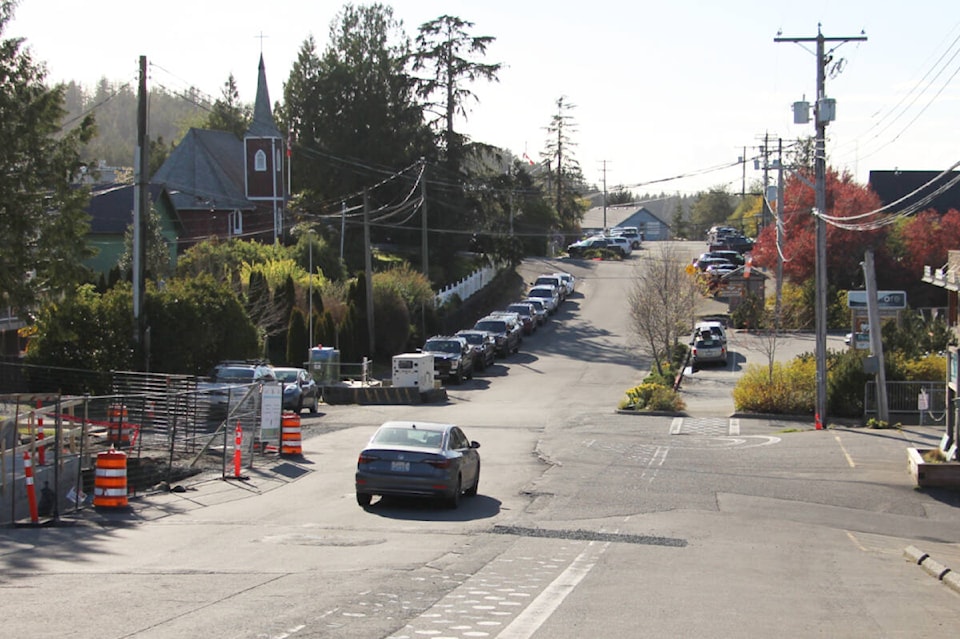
(368, 269)
(823, 112)
(141, 199)
(425, 256)
(876, 344)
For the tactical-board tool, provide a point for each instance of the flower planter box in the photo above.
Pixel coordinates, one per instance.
(933, 474)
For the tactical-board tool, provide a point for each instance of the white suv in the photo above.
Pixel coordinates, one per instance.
(620, 244)
(715, 329)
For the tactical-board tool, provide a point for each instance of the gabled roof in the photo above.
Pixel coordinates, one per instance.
(111, 207)
(616, 215)
(263, 125)
(205, 171)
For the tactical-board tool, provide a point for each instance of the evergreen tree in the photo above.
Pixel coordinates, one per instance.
(567, 176)
(228, 113)
(443, 45)
(157, 262)
(298, 346)
(357, 101)
(43, 224)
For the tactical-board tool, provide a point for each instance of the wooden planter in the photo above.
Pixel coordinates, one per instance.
(933, 474)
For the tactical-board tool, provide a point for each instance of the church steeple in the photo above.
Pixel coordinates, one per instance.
(263, 125)
(263, 149)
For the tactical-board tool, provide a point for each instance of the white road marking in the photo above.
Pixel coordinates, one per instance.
(845, 453)
(533, 616)
(676, 425)
(734, 426)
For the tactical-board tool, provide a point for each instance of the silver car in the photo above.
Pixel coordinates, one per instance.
(708, 350)
(418, 459)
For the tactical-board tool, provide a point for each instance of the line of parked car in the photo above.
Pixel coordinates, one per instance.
(500, 333)
(437, 460)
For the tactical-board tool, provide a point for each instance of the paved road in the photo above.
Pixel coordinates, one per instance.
(588, 522)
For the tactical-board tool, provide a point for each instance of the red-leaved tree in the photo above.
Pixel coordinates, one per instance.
(845, 248)
(916, 242)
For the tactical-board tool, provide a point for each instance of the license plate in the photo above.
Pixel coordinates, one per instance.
(400, 466)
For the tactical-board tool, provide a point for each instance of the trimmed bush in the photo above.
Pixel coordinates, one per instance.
(652, 397)
(791, 389)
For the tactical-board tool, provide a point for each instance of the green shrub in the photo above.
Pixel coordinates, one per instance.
(602, 254)
(845, 381)
(791, 389)
(652, 397)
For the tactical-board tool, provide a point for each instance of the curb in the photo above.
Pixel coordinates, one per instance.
(932, 567)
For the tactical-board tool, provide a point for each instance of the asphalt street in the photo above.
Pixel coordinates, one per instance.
(588, 522)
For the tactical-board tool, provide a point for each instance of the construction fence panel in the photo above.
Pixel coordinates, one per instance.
(168, 429)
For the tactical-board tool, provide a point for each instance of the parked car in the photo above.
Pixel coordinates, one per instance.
(569, 281)
(452, 357)
(731, 256)
(708, 351)
(539, 307)
(527, 315)
(712, 328)
(632, 233)
(508, 340)
(549, 296)
(704, 261)
(514, 321)
(231, 377)
(578, 249)
(719, 270)
(418, 459)
(554, 280)
(299, 389)
(619, 244)
(484, 347)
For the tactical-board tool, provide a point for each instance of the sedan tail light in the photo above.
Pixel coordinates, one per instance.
(366, 458)
(439, 463)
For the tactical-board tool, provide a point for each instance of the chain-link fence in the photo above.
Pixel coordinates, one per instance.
(168, 428)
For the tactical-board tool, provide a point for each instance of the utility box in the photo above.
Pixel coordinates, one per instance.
(325, 365)
(413, 369)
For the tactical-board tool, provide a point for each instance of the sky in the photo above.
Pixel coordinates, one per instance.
(663, 93)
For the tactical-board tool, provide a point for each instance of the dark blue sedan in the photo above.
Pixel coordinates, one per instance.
(418, 459)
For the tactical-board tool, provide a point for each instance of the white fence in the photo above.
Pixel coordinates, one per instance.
(468, 285)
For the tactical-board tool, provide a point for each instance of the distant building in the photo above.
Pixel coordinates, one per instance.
(111, 214)
(213, 184)
(224, 187)
(651, 226)
(891, 186)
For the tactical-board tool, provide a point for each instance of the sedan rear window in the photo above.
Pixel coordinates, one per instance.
(409, 437)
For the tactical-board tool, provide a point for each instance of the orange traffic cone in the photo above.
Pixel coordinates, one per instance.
(818, 422)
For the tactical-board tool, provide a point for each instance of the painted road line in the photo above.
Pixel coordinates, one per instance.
(845, 453)
(676, 425)
(536, 614)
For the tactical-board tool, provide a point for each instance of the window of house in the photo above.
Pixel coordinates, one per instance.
(260, 161)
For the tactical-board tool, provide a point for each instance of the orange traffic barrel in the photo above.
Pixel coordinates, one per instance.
(120, 430)
(110, 481)
(290, 434)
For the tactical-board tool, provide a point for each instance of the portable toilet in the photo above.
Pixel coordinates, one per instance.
(325, 365)
(413, 369)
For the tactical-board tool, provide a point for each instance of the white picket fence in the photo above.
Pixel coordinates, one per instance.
(468, 285)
